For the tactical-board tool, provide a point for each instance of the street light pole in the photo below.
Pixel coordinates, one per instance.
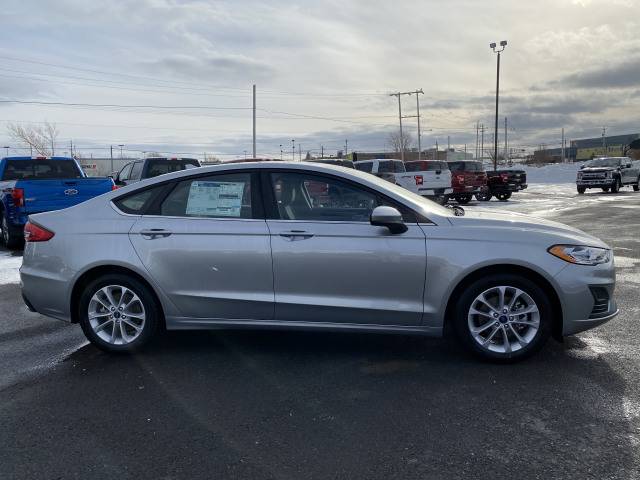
(293, 151)
(503, 44)
(121, 150)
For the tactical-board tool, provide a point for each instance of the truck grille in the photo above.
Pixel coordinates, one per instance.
(594, 176)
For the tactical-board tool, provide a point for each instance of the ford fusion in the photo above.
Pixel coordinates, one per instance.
(309, 246)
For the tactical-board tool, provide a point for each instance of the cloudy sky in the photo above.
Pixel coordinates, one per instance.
(176, 76)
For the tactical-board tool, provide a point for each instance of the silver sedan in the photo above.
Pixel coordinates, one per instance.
(307, 246)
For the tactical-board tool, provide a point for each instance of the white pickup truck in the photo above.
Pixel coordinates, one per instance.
(429, 178)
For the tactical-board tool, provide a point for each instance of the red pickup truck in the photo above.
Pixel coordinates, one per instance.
(468, 177)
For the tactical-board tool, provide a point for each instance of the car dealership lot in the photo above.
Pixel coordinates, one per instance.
(310, 405)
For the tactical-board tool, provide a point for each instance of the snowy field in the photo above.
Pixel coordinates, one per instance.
(551, 189)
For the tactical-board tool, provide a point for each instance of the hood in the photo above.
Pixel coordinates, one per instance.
(506, 224)
(597, 169)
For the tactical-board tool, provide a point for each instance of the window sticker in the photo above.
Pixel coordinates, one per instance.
(215, 199)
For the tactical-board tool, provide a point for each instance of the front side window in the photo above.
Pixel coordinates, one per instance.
(311, 197)
(215, 196)
(124, 173)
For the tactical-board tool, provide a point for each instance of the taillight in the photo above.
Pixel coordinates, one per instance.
(461, 179)
(505, 177)
(114, 187)
(36, 233)
(18, 197)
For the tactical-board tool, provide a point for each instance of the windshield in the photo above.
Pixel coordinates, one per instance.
(43, 169)
(466, 166)
(604, 162)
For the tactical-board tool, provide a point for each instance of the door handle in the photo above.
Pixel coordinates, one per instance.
(154, 233)
(296, 235)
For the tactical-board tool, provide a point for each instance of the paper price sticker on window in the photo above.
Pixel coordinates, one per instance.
(215, 199)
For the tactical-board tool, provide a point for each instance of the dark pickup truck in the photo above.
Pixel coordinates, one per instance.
(31, 185)
(502, 183)
(608, 173)
(143, 168)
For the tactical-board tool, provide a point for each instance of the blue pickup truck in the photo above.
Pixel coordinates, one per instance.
(31, 185)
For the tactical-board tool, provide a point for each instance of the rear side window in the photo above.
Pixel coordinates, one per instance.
(413, 167)
(391, 167)
(215, 196)
(160, 167)
(365, 167)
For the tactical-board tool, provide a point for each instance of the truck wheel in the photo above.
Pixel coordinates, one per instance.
(442, 199)
(503, 196)
(636, 186)
(484, 197)
(581, 190)
(615, 188)
(463, 199)
(12, 242)
(503, 318)
(605, 189)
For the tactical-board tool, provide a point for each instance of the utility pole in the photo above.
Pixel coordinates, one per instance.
(506, 161)
(604, 145)
(477, 136)
(402, 145)
(254, 121)
(346, 148)
(563, 152)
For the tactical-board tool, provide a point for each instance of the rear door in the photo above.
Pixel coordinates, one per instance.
(207, 246)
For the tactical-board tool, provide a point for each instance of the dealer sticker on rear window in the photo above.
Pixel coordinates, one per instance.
(215, 199)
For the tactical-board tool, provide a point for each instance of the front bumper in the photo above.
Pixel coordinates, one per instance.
(597, 183)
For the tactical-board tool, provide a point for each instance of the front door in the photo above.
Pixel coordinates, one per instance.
(331, 265)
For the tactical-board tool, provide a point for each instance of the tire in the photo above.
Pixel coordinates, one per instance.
(10, 241)
(442, 199)
(503, 196)
(463, 199)
(605, 189)
(503, 318)
(484, 197)
(636, 186)
(615, 188)
(119, 314)
(581, 190)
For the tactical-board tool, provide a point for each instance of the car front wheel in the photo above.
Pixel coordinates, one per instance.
(503, 318)
(118, 313)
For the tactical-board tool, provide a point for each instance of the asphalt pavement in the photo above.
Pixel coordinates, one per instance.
(298, 405)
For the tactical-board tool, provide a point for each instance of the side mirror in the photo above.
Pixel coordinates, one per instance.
(388, 217)
(581, 167)
(629, 165)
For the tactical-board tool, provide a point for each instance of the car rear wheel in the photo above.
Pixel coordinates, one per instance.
(463, 199)
(119, 314)
(503, 196)
(503, 318)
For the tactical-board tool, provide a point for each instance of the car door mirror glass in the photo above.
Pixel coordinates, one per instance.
(388, 217)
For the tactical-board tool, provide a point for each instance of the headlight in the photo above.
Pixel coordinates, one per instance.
(581, 254)
(579, 175)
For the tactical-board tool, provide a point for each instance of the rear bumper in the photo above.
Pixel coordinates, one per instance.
(435, 191)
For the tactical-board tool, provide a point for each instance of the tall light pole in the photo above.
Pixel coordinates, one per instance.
(7, 150)
(121, 150)
(280, 152)
(503, 44)
(293, 150)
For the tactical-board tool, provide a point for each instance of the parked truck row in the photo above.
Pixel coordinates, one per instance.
(441, 181)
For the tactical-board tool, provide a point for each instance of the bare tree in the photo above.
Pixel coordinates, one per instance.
(39, 138)
(398, 143)
(154, 155)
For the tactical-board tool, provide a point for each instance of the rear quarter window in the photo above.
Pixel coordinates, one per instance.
(364, 167)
